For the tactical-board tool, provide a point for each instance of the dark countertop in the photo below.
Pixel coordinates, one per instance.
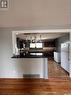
(29, 56)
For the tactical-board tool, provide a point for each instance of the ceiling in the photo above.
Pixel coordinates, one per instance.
(38, 36)
(36, 13)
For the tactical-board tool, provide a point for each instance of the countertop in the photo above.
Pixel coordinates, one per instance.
(29, 56)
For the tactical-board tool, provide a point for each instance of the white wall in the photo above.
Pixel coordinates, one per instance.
(8, 67)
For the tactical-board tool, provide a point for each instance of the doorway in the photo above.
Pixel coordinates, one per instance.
(57, 65)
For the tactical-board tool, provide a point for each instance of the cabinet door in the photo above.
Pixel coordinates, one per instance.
(56, 57)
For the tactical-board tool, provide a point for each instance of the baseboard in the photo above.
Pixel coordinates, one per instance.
(65, 70)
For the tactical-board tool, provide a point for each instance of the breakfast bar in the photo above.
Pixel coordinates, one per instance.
(35, 65)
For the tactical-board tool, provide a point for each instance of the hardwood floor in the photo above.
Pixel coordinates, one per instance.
(55, 70)
(52, 86)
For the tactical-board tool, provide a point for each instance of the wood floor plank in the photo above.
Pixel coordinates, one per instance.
(55, 70)
(52, 86)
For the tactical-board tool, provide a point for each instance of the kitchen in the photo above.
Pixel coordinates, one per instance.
(43, 49)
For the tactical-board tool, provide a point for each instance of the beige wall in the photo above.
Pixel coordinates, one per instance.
(36, 13)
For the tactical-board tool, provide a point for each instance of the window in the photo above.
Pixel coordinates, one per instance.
(39, 45)
(32, 45)
(36, 45)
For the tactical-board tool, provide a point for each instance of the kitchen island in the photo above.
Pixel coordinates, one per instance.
(35, 65)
